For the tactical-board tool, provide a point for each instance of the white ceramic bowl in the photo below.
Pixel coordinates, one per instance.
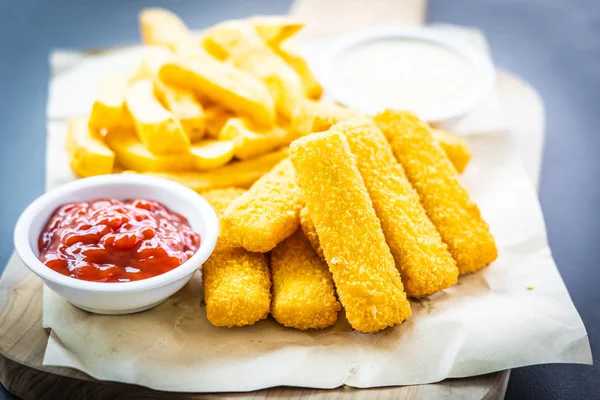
(120, 297)
(484, 75)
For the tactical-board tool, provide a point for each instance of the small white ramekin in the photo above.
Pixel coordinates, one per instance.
(121, 297)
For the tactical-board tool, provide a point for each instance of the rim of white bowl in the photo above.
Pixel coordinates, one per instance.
(42, 204)
(345, 42)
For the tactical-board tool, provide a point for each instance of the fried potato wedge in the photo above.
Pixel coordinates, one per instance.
(216, 117)
(153, 58)
(108, 110)
(223, 84)
(156, 127)
(238, 43)
(240, 174)
(184, 106)
(251, 141)
(87, 152)
(132, 154)
(163, 27)
(211, 154)
(311, 86)
(274, 29)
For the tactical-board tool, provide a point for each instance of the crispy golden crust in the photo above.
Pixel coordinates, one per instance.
(456, 149)
(318, 116)
(422, 258)
(367, 281)
(445, 200)
(303, 291)
(237, 287)
(236, 282)
(310, 231)
(267, 213)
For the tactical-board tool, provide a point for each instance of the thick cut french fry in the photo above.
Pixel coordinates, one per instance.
(422, 258)
(238, 43)
(156, 127)
(312, 87)
(251, 141)
(215, 117)
(224, 84)
(88, 154)
(456, 148)
(309, 230)
(446, 201)
(239, 174)
(318, 116)
(303, 291)
(211, 154)
(108, 110)
(132, 154)
(162, 27)
(274, 29)
(184, 106)
(153, 58)
(367, 281)
(236, 282)
(267, 213)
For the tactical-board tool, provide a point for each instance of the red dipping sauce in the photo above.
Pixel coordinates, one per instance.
(116, 241)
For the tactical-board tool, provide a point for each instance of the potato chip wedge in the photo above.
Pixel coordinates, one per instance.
(163, 27)
(87, 152)
(223, 84)
(211, 154)
(156, 127)
(108, 109)
(240, 174)
(184, 106)
(239, 43)
(311, 86)
(153, 58)
(274, 29)
(132, 154)
(251, 141)
(216, 117)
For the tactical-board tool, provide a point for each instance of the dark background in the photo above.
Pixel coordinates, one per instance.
(553, 44)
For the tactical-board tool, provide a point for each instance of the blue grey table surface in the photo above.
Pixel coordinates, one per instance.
(553, 44)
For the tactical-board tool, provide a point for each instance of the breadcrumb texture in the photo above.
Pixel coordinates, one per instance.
(309, 230)
(367, 281)
(422, 258)
(237, 287)
(456, 149)
(236, 282)
(446, 201)
(267, 213)
(303, 291)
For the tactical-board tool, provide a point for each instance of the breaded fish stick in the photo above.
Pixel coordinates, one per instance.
(303, 291)
(267, 213)
(240, 174)
(422, 258)
(367, 281)
(456, 148)
(309, 230)
(229, 303)
(446, 201)
(237, 284)
(317, 116)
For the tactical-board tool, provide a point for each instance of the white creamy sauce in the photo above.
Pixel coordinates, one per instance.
(402, 73)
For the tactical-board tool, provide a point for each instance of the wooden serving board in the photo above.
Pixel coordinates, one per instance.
(23, 342)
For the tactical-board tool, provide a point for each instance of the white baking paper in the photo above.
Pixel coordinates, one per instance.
(514, 313)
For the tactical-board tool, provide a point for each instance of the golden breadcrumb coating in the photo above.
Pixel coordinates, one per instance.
(237, 287)
(237, 283)
(303, 291)
(318, 116)
(456, 148)
(267, 213)
(445, 200)
(367, 281)
(310, 231)
(422, 258)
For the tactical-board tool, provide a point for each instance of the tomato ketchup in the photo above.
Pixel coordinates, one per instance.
(116, 241)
